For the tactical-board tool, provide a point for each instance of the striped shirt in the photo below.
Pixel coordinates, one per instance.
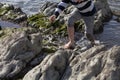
(85, 7)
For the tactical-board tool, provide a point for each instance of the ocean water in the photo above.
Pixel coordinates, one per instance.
(32, 6)
(28, 6)
(114, 5)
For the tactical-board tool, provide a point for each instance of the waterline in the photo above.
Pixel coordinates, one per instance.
(5, 24)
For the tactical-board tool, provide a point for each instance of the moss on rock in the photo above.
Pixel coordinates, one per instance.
(42, 21)
(51, 49)
(12, 14)
(9, 31)
(4, 8)
(5, 32)
(3, 11)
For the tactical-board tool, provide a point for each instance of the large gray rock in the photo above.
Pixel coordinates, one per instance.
(97, 63)
(52, 67)
(17, 48)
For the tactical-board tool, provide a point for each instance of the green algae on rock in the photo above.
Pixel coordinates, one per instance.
(41, 21)
(4, 9)
(8, 31)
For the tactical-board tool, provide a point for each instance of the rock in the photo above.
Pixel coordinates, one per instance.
(20, 18)
(17, 9)
(118, 19)
(42, 22)
(116, 12)
(52, 67)
(17, 48)
(1, 4)
(13, 14)
(97, 63)
(114, 6)
(44, 6)
(100, 28)
(0, 28)
(103, 15)
(94, 63)
(103, 10)
(50, 10)
(7, 6)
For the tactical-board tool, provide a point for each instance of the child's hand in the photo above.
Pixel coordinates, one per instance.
(52, 18)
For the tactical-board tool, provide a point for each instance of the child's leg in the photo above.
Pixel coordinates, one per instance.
(89, 22)
(74, 16)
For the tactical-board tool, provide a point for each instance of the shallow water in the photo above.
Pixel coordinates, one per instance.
(111, 33)
(28, 6)
(114, 4)
(5, 24)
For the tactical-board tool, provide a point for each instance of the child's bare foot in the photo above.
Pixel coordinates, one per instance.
(69, 45)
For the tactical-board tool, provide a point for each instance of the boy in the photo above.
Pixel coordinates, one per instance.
(85, 10)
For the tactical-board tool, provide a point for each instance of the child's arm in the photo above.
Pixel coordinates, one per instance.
(61, 6)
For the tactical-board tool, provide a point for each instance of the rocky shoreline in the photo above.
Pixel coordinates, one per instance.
(12, 14)
(33, 51)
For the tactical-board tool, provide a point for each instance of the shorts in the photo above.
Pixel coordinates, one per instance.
(88, 20)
